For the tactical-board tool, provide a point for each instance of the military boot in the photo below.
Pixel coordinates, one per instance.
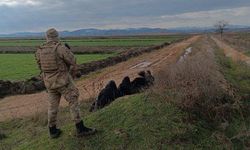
(54, 132)
(81, 130)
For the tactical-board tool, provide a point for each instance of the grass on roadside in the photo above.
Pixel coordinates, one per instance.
(133, 122)
(247, 53)
(238, 74)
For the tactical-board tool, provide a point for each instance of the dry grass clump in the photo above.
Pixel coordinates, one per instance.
(2, 135)
(238, 41)
(198, 87)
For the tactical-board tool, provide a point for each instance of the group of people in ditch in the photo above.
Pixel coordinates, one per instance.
(58, 69)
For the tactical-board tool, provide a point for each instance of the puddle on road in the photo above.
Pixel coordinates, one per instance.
(142, 65)
(145, 64)
(185, 55)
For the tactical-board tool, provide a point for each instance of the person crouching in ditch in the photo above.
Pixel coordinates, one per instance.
(55, 61)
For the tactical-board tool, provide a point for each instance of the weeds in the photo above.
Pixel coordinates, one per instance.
(198, 87)
(204, 85)
(39, 119)
(2, 135)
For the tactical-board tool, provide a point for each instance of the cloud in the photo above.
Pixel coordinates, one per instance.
(38, 15)
(13, 3)
(208, 18)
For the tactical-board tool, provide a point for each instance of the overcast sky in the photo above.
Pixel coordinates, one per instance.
(38, 15)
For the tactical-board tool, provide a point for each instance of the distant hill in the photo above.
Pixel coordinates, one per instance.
(126, 32)
(94, 32)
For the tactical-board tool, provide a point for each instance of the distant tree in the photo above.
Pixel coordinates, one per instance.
(221, 26)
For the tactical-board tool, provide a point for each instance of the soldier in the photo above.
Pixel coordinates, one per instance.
(55, 62)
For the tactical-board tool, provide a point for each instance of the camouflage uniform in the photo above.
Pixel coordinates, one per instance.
(55, 61)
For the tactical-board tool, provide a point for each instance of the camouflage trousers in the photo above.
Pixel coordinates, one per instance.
(71, 94)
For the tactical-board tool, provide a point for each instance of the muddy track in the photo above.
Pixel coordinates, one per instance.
(27, 105)
(230, 51)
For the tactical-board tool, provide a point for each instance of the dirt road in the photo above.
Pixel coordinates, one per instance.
(27, 105)
(231, 52)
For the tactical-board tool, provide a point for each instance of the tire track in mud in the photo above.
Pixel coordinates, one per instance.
(21, 106)
(231, 52)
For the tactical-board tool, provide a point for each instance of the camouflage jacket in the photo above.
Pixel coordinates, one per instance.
(65, 61)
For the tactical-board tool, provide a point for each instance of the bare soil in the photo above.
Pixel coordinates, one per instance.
(27, 105)
(231, 52)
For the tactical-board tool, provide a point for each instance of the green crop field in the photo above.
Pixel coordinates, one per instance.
(23, 66)
(126, 41)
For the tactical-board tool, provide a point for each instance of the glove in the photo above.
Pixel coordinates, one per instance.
(75, 73)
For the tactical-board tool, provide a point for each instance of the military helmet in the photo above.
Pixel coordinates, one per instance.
(52, 35)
